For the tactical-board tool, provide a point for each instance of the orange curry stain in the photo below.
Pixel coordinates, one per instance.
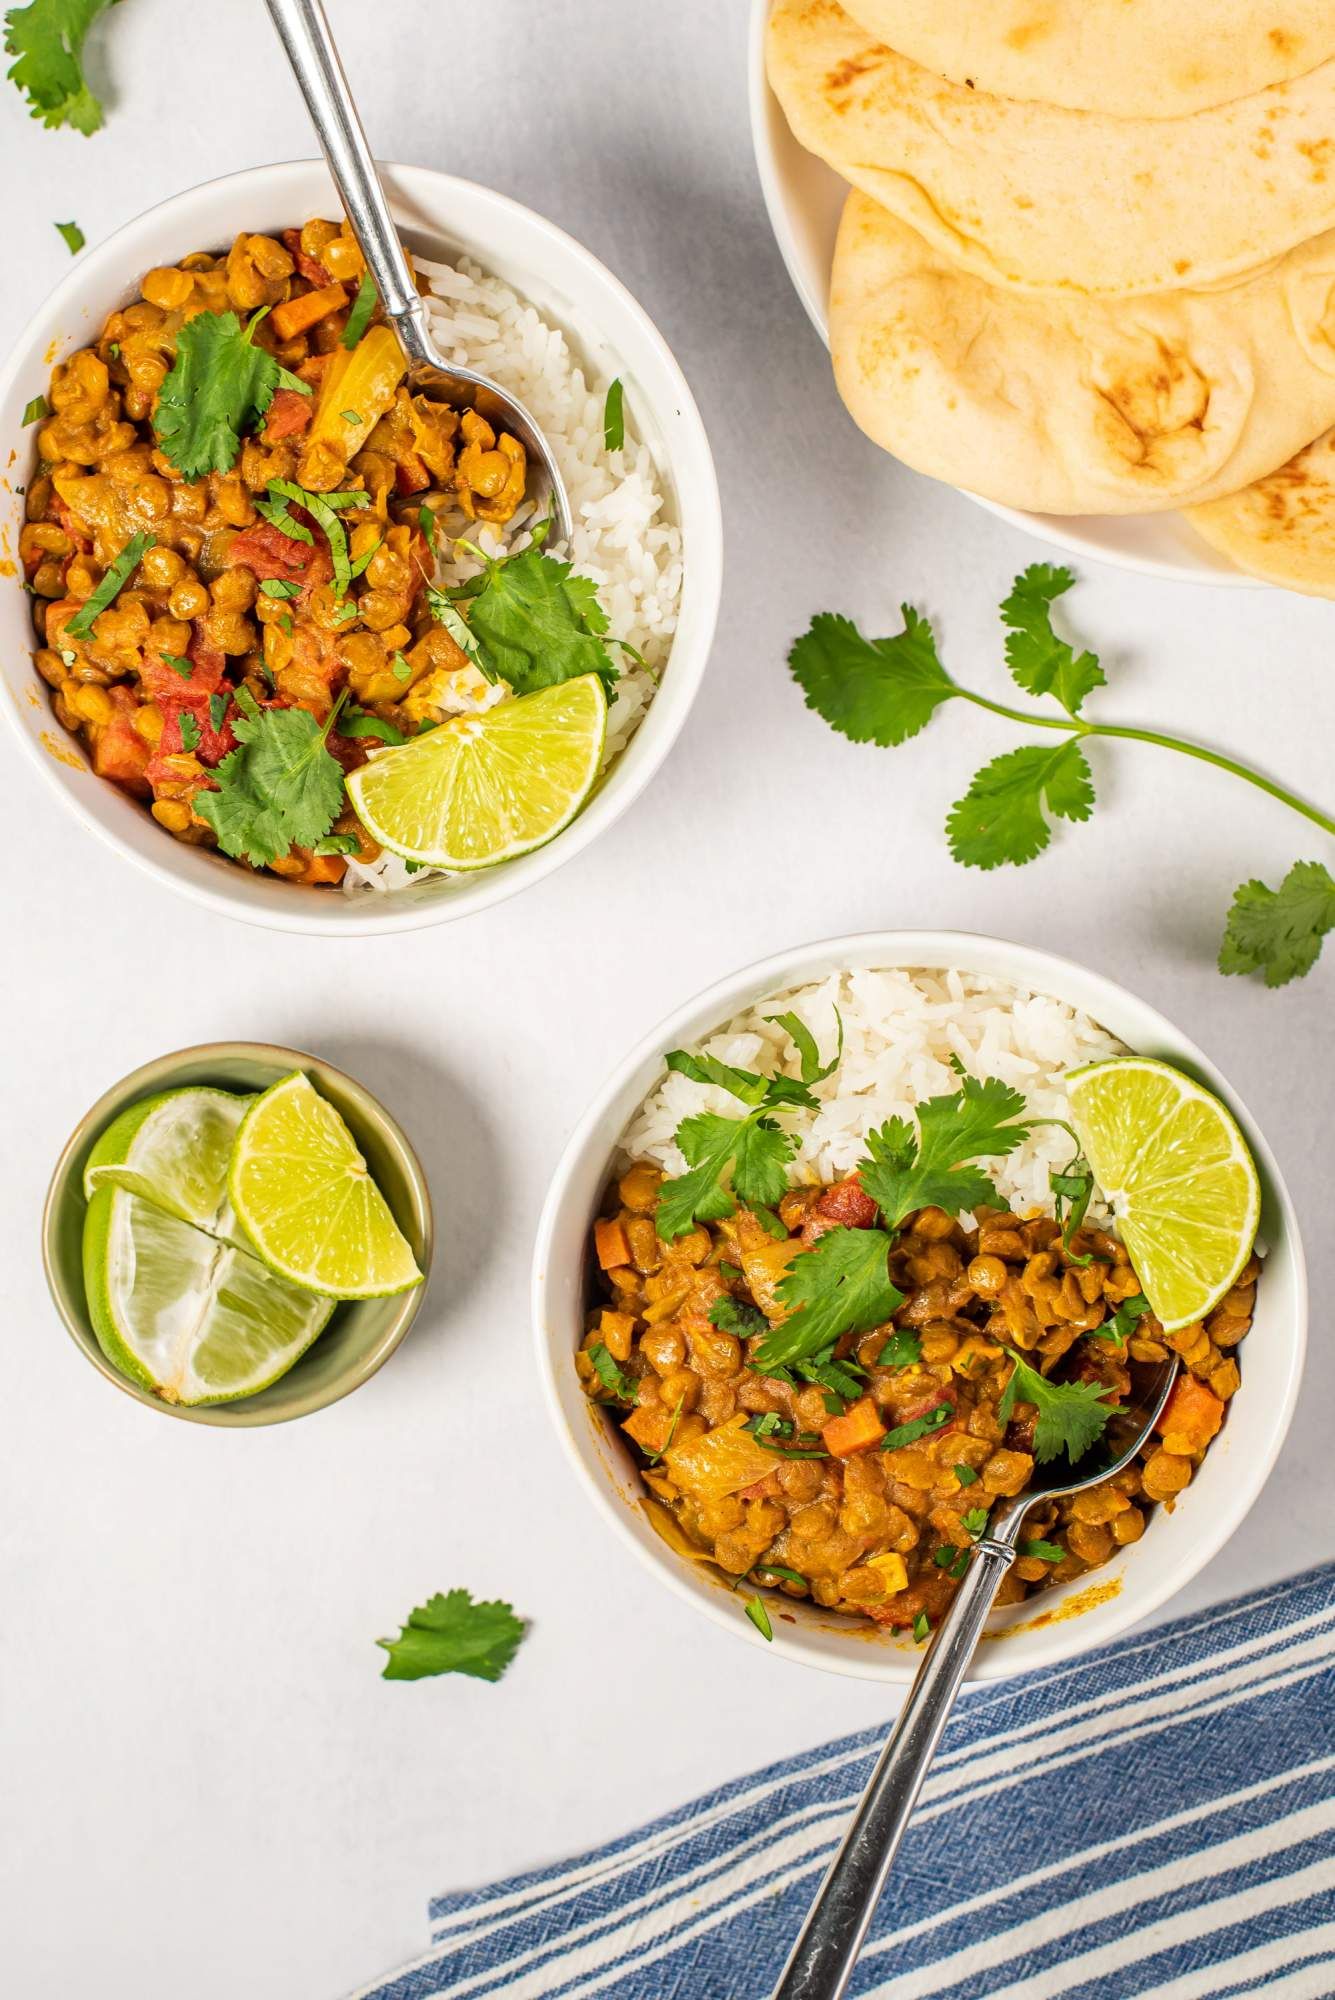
(62, 752)
(1084, 1600)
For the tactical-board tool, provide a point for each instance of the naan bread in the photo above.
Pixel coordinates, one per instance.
(1281, 527)
(1027, 195)
(1074, 405)
(1125, 58)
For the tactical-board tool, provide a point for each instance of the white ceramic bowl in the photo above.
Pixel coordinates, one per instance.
(440, 217)
(1062, 1621)
(805, 200)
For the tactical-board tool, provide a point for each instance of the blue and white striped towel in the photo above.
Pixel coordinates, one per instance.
(1156, 1820)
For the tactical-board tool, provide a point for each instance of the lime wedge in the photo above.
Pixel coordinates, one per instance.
(1176, 1172)
(174, 1149)
(306, 1200)
(484, 788)
(182, 1314)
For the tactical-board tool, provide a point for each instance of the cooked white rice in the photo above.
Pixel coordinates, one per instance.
(623, 537)
(901, 1029)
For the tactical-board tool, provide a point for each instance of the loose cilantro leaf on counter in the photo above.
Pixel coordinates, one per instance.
(535, 622)
(1002, 818)
(1123, 1322)
(871, 690)
(730, 1316)
(930, 1169)
(115, 580)
(219, 387)
(360, 316)
(453, 1634)
(756, 1612)
(279, 789)
(1072, 1416)
(614, 417)
(1278, 932)
(917, 1427)
(840, 1285)
(47, 38)
(902, 1350)
(614, 1380)
(73, 236)
(1040, 661)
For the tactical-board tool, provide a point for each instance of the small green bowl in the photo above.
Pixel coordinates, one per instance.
(362, 1334)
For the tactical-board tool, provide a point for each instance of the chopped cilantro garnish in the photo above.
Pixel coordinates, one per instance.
(954, 1561)
(119, 574)
(922, 1626)
(917, 1427)
(324, 509)
(350, 416)
(614, 1380)
(965, 1475)
(1072, 1188)
(281, 587)
(902, 1350)
(280, 788)
(905, 1171)
(189, 728)
(769, 1424)
(73, 236)
(767, 1569)
(360, 722)
(614, 417)
(337, 843)
(974, 1522)
(359, 318)
(400, 668)
(219, 387)
(1123, 1321)
(218, 706)
(452, 1634)
(1047, 1552)
(177, 664)
(731, 1316)
(756, 1612)
(35, 411)
(1072, 1416)
(452, 619)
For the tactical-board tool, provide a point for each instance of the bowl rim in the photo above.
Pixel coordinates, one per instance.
(643, 755)
(154, 1076)
(763, 109)
(1024, 965)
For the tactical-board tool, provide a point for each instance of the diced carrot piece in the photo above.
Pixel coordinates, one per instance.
(300, 315)
(1190, 1417)
(858, 1429)
(289, 412)
(609, 1241)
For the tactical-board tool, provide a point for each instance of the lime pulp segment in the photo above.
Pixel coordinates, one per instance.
(174, 1149)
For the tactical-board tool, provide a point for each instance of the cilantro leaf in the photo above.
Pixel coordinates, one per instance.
(974, 1522)
(220, 386)
(280, 788)
(745, 1084)
(459, 629)
(1278, 932)
(917, 1427)
(840, 1285)
(813, 1071)
(536, 623)
(115, 580)
(1047, 1552)
(35, 411)
(614, 417)
(731, 1316)
(1040, 661)
(360, 316)
(620, 1386)
(841, 1380)
(324, 509)
(47, 37)
(189, 728)
(871, 690)
(1000, 818)
(1123, 1322)
(760, 1163)
(902, 1350)
(778, 1569)
(922, 1627)
(1071, 1415)
(73, 236)
(1072, 1191)
(965, 1475)
(905, 1171)
(756, 1612)
(452, 1634)
(709, 1142)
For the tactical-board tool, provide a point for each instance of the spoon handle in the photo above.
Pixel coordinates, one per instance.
(308, 44)
(827, 1948)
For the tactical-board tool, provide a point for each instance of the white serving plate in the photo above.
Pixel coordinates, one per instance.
(440, 218)
(1062, 1621)
(805, 200)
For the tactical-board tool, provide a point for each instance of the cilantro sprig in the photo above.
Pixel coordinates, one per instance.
(454, 1634)
(47, 38)
(219, 386)
(841, 1285)
(886, 690)
(1123, 1323)
(933, 1167)
(1072, 1416)
(281, 788)
(531, 621)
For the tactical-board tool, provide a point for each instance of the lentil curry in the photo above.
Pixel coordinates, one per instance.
(860, 1484)
(289, 574)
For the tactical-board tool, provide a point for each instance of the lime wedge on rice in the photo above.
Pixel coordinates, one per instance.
(307, 1202)
(1176, 1172)
(191, 1318)
(484, 788)
(174, 1149)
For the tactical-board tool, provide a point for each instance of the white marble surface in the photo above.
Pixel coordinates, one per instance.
(208, 1788)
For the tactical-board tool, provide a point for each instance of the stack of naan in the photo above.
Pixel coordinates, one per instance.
(1087, 260)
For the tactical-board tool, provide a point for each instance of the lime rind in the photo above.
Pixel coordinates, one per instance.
(306, 1200)
(486, 788)
(1175, 1169)
(174, 1149)
(183, 1314)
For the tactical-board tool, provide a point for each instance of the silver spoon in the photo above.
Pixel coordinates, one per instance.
(304, 32)
(827, 1948)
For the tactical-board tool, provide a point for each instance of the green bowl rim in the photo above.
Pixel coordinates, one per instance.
(155, 1075)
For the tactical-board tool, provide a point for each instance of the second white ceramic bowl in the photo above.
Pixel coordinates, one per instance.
(1061, 1621)
(440, 218)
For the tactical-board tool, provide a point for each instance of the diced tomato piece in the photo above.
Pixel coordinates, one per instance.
(289, 412)
(121, 754)
(847, 1204)
(213, 744)
(1191, 1416)
(267, 552)
(310, 268)
(171, 689)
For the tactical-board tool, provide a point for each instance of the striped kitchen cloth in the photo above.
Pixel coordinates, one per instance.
(1157, 1819)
